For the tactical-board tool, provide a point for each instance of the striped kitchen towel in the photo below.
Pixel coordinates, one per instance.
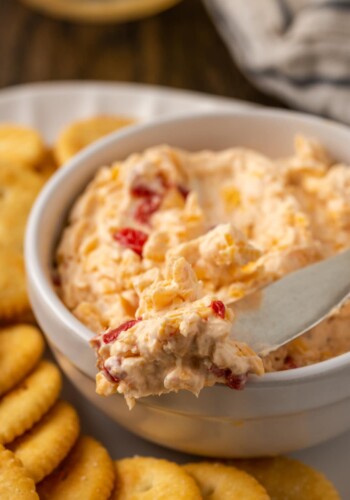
(298, 50)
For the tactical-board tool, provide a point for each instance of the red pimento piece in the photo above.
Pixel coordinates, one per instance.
(113, 334)
(289, 363)
(218, 372)
(131, 238)
(151, 199)
(236, 382)
(219, 308)
(183, 190)
(146, 208)
(142, 191)
(109, 376)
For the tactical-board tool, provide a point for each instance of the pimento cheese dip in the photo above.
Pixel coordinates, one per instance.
(158, 244)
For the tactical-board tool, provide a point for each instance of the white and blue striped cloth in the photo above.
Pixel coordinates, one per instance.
(298, 50)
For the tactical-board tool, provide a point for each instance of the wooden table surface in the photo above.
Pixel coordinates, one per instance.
(177, 48)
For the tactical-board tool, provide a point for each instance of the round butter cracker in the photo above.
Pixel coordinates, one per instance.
(21, 144)
(22, 407)
(80, 134)
(87, 473)
(288, 479)
(221, 482)
(18, 190)
(146, 478)
(45, 445)
(21, 347)
(15, 484)
(13, 290)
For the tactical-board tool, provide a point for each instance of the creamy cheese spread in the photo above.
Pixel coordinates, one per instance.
(157, 244)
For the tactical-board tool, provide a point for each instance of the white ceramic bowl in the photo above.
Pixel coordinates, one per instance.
(277, 413)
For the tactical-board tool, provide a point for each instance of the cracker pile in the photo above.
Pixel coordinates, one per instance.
(80, 134)
(280, 478)
(42, 454)
(26, 163)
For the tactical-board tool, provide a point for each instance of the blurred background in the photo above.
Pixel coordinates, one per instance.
(178, 47)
